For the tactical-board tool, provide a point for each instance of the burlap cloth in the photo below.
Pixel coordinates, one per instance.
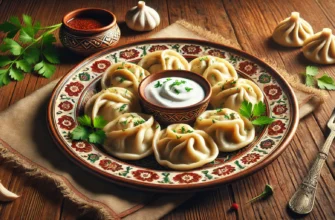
(27, 143)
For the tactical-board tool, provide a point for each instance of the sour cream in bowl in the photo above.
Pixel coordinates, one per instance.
(174, 96)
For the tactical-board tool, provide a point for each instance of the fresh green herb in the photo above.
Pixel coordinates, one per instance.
(232, 116)
(189, 131)
(141, 74)
(125, 122)
(218, 110)
(174, 130)
(213, 120)
(188, 89)
(255, 113)
(87, 132)
(203, 58)
(268, 191)
(32, 51)
(157, 126)
(120, 68)
(226, 117)
(176, 91)
(122, 79)
(178, 137)
(158, 84)
(122, 107)
(138, 122)
(324, 82)
(183, 129)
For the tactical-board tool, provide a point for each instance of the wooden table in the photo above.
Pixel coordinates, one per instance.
(248, 23)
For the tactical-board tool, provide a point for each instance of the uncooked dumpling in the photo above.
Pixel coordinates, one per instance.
(214, 69)
(320, 48)
(163, 60)
(229, 130)
(293, 31)
(130, 136)
(232, 93)
(112, 102)
(180, 147)
(125, 75)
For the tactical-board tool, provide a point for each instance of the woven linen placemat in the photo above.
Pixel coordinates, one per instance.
(26, 143)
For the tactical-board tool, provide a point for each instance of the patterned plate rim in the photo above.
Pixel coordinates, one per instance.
(293, 103)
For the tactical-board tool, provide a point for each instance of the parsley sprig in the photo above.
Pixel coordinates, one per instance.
(33, 51)
(323, 82)
(255, 113)
(89, 130)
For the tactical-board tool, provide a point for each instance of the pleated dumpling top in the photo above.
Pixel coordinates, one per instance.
(292, 31)
(320, 48)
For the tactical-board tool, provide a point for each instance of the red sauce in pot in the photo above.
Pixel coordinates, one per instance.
(83, 23)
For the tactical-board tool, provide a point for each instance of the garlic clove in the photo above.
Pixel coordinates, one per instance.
(6, 195)
(142, 17)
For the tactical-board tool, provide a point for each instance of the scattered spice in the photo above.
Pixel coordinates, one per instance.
(234, 206)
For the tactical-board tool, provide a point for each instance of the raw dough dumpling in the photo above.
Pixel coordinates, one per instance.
(180, 147)
(214, 69)
(163, 60)
(232, 93)
(125, 75)
(111, 102)
(320, 48)
(293, 31)
(130, 136)
(229, 130)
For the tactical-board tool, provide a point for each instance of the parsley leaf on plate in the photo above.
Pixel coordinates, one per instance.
(80, 133)
(97, 137)
(311, 70)
(99, 122)
(85, 120)
(259, 109)
(262, 120)
(246, 109)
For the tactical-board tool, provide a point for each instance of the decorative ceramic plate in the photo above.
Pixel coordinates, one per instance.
(81, 83)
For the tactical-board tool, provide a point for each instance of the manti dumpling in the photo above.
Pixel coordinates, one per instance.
(320, 48)
(231, 94)
(111, 102)
(214, 69)
(293, 31)
(164, 60)
(130, 136)
(229, 130)
(180, 147)
(125, 75)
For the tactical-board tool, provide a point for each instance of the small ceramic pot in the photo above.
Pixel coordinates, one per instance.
(88, 41)
(165, 115)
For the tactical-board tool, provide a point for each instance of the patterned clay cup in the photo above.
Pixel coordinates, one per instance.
(87, 42)
(166, 115)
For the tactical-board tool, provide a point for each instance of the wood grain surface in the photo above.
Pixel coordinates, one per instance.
(249, 23)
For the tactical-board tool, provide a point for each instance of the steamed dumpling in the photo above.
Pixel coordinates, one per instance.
(125, 75)
(112, 102)
(214, 69)
(130, 136)
(231, 94)
(293, 31)
(229, 130)
(163, 60)
(180, 147)
(320, 48)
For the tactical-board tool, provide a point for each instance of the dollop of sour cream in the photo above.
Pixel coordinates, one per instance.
(174, 92)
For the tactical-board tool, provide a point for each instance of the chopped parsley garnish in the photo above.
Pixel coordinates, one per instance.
(176, 91)
(178, 137)
(138, 122)
(218, 110)
(121, 80)
(213, 120)
(203, 58)
(122, 107)
(226, 117)
(188, 89)
(158, 84)
(255, 113)
(124, 122)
